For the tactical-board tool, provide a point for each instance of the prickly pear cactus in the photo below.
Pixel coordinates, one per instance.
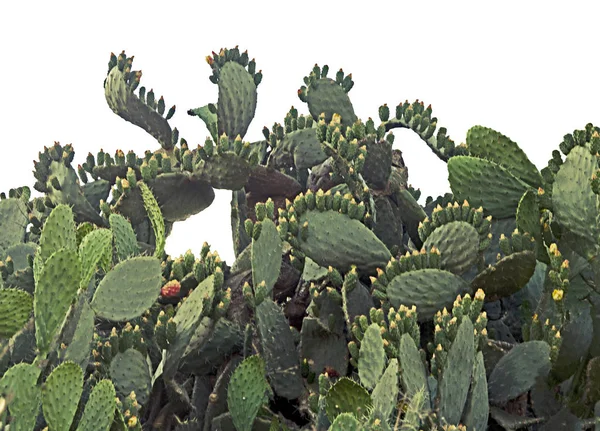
(349, 306)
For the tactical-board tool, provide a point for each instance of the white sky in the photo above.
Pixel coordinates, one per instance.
(526, 69)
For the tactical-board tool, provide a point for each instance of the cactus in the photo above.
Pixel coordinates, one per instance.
(349, 306)
(247, 392)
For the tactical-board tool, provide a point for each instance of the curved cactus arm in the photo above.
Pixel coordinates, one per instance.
(416, 117)
(142, 109)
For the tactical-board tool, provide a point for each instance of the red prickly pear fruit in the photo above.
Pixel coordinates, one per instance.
(171, 289)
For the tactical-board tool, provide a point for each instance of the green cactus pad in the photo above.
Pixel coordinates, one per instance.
(413, 374)
(303, 146)
(385, 394)
(54, 291)
(123, 102)
(266, 256)
(516, 372)
(95, 248)
(357, 302)
(346, 422)
(458, 243)
(70, 192)
(334, 239)
(210, 119)
(223, 171)
(129, 289)
(247, 392)
(412, 213)
(575, 204)
(371, 357)
(576, 335)
(324, 95)
(129, 372)
(279, 352)
(505, 277)
(239, 214)
(126, 244)
(312, 271)
(477, 409)
(155, 215)
(191, 197)
(430, 290)
(19, 252)
(378, 163)
(211, 345)
(237, 100)
(486, 143)
(456, 375)
(389, 226)
(323, 348)
(15, 308)
(528, 220)
(485, 183)
(188, 318)
(13, 222)
(19, 384)
(96, 191)
(347, 396)
(329, 311)
(99, 409)
(60, 395)
(58, 232)
(78, 347)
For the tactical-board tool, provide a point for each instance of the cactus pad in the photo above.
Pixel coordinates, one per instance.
(456, 377)
(429, 289)
(19, 383)
(60, 395)
(371, 359)
(15, 308)
(347, 396)
(54, 291)
(575, 205)
(13, 222)
(118, 90)
(337, 240)
(237, 100)
(282, 365)
(129, 289)
(58, 232)
(129, 372)
(413, 375)
(385, 394)
(517, 371)
(266, 256)
(486, 143)
(506, 277)
(99, 409)
(123, 236)
(247, 392)
(483, 182)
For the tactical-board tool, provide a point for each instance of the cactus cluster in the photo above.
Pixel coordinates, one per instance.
(349, 305)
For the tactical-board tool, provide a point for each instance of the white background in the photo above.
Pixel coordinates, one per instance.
(526, 69)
